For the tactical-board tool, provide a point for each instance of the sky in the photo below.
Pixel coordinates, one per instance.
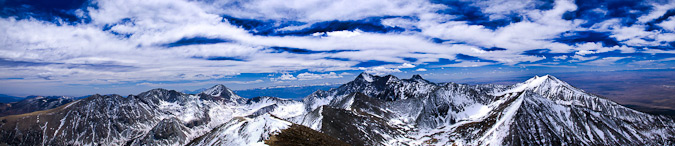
(80, 47)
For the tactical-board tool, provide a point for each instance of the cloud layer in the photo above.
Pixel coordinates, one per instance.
(146, 42)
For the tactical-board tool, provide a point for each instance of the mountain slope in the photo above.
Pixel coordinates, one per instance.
(116, 120)
(371, 110)
(540, 111)
(244, 131)
(301, 135)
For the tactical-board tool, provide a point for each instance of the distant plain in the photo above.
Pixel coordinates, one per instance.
(645, 88)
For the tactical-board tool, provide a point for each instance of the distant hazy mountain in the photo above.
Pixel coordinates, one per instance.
(7, 99)
(296, 93)
(34, 103)
(371, 110)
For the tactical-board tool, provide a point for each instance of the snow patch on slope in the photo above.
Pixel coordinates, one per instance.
(500, 129)
(245, 131)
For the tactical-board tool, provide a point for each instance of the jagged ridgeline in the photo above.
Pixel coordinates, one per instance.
(371, 110)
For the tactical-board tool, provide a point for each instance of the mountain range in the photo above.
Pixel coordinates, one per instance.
(34, 103)
(370, 110)
(7, 98)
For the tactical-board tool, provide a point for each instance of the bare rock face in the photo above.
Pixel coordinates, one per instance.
(371, 110)
(168, 132)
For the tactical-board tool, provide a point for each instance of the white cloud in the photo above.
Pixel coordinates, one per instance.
(584, 52)
(634, 35)
(603, 61)
(561, 57)
(312, 76)
(657, 11)
(284, 77)
(583, 58)
(668, 24)
(533, 33)
(86, 54)
(399, 22)
(657, 51)
(421, 69)
(380, 70)
(468, 64)
(597, 47)
(345, 74)
(192, 84)
(307, 76)
(344, 33)
(500, 8)
(406, 65)
(637, 34)
(317, 10)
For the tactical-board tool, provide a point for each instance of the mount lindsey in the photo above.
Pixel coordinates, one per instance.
(370, 110)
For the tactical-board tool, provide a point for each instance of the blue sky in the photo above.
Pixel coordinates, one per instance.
(77, 47)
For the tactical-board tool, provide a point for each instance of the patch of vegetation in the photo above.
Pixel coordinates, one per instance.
(298, 135)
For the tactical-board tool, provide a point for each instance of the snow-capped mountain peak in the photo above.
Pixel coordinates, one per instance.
(392, 79)
(365, 77)
(539, 83)
(218, 90)
(221, 92)
(546, 80)
(417, 77)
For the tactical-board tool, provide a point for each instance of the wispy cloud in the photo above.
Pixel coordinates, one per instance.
(312, 76)
(607, 61)
(129, 41)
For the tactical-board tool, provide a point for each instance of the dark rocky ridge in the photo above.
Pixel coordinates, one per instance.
(371, 110)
